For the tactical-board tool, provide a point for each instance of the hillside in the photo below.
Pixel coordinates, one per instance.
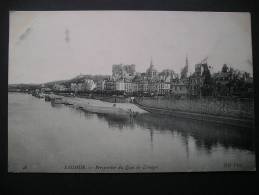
(77, 79)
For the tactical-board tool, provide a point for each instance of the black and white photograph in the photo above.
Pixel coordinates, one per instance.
(130, 92)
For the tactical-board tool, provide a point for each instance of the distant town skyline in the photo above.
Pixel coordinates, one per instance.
(57, 45)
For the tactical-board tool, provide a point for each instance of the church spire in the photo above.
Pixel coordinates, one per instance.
(186, 64)
(184, 71)
(186, 61)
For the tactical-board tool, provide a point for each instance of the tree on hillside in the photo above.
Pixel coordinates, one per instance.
(207, 87)
(224, 68)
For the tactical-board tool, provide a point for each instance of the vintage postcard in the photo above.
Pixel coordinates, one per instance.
(130, 91)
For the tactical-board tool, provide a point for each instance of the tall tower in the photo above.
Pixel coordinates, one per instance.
(151, 62)
(184, 71)
(151, 71)
(186, 61)
(186, 65)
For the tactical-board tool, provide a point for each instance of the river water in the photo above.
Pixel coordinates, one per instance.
(46, 138)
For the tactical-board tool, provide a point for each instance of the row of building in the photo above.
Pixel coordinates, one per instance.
(125, 79)
(149, 82)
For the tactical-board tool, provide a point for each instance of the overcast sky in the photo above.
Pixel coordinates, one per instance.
(47, 46)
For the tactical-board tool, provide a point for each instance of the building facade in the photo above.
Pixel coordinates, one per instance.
(100, 85)
(120, 85)
(179, 87)
(109, 85)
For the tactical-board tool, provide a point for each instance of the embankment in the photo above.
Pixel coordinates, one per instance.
(239, 113)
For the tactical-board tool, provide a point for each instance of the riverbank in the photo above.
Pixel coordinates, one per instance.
(175, 108)
(98, 106)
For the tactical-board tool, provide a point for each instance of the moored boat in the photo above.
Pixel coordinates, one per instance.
(57, 100)
(41, 95)
(47, 98)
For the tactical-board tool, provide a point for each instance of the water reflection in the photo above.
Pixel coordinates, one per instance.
(46, 137)
(205, 134)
